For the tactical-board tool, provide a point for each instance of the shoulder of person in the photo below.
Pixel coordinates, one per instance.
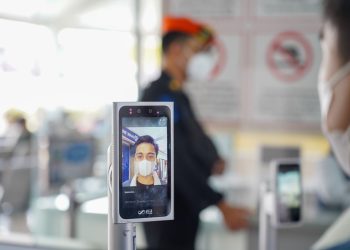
(156, 91)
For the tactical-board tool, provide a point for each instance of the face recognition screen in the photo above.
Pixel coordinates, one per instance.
(144, 161)
(289, 193)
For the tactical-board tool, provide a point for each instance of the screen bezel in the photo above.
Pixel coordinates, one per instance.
(165, 109)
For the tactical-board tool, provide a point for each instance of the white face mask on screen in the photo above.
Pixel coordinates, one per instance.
(200, 67)
(340, 141)
(145, 167)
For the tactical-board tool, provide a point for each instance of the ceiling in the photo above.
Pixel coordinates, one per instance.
(70, 13)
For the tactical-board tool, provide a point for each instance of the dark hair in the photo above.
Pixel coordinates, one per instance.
(338, 13)
(146, 139)
(21, 121)
(171, 37)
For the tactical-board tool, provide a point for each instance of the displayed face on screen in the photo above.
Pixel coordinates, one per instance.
(288, 193)
(144, 160)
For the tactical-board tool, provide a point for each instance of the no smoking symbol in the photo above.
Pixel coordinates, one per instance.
(289, 56)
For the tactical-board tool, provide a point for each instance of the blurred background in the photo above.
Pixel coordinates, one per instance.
(62, 64)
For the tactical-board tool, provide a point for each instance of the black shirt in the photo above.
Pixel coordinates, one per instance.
(194, 152)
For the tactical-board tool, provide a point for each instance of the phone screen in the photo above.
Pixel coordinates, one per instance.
(288, 193)
(144, 161)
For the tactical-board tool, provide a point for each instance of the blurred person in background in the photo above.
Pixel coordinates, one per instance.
(16, 164)
(17, 138)
(185, 47)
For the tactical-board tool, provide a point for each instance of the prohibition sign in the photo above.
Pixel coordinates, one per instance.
(289, 56)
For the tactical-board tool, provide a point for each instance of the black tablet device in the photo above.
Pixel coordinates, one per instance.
(143, 161)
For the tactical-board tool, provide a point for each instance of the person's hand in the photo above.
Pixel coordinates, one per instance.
(219, 167)
(235, 218)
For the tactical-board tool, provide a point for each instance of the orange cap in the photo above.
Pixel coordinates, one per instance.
(188, 26)
(180, 24)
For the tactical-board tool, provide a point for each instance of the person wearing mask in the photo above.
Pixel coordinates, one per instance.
(334, 94)
(185, 44)
(145, 161)
(334, 79)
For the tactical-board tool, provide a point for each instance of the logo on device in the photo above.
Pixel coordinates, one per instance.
(147, 211)
(141, 212)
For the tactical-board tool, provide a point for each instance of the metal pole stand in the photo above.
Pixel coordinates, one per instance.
(70, 191)
(267, 228)
(120, 236)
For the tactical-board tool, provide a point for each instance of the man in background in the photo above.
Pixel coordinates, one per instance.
(195, 158)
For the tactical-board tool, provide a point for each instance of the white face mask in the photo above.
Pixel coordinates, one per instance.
(200, 67)
(340, 141)
(144, 167)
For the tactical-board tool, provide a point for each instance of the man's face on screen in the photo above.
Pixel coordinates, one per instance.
(145, 157)
(145, 151)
